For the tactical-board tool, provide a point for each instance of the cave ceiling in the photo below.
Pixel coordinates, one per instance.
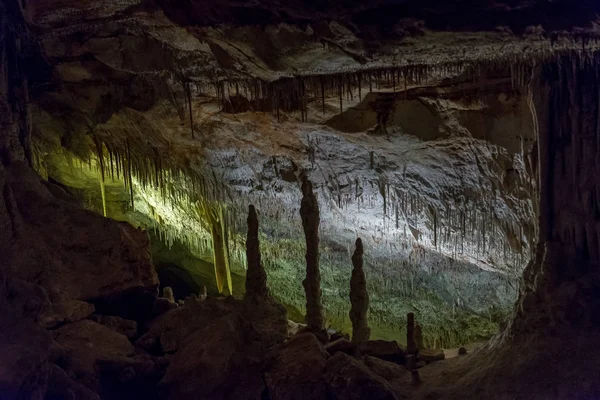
(413, 119)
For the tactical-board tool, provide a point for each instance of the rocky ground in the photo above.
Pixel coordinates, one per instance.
(106, 334)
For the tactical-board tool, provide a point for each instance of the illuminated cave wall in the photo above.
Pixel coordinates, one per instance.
(440, 195)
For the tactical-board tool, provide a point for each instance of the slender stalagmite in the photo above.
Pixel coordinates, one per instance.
(309, 211)
(359, 298)
(411, 346)
(419, 337)
(256, 277)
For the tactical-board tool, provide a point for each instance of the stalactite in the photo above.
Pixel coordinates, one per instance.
(100, 155)
(188, 92)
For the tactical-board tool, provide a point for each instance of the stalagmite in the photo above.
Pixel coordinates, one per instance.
(359, 298)
(168, 294)
(256, 277)
(411, 346)
(309, 212)
(418, 335)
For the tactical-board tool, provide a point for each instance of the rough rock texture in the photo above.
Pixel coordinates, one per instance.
(218, 361)
(411, 346)
(298, 370)
(89, 342)
(24, 368)
(309, 212)
(397, 376)
(343, 345)
(177, 325)
(61, 386)
(385, 350)
(112, 258)
(256, 277)
(73, 310)
(359, 298)
(123, 326)
(351, 379)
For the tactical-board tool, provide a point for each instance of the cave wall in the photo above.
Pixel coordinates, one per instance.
(561, 283)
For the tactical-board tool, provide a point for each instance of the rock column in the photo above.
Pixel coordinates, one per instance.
(256, 277)
(359, 298)
(419, 337)
(309, 211)
(411, 346)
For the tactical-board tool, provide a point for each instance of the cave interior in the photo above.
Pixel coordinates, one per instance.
(272, 199)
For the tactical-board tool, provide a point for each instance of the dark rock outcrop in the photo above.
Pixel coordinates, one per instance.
(88, 342)
(351, 379)
(24, 350)
(397, 376)
(76, 254)
(61, 387)
(383, 349)
(70, 311)
(343, 345)
(218, 361)
(123, 326)
(297, 371)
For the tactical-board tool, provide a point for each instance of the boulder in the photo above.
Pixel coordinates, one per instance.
(333, 336)
(28, 300)
(430, 356)
(391, 372)
(123, 326)
(218, 361)
(70, 311)
(24, 349)
(77, 254)
(396, 375)
(343, 345)
(176, 325)
(350, 379)
(162, 305)
(87, 342)
(294, 328)
(61, 386)
(131, 377)
(383, 349)
(297, 370)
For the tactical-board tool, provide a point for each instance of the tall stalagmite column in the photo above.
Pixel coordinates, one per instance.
(309, 211)
(411, 346)
(359, 298)
(256, 277)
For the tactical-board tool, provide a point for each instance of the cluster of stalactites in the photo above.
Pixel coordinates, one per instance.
(295, 93)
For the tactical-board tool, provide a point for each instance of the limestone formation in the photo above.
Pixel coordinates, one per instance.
(411, 346)
(418, 335)
(359, 298)
(309, 211)
(168, 294)
(256, 277)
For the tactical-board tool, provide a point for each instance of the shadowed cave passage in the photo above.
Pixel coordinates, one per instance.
(182, 200)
